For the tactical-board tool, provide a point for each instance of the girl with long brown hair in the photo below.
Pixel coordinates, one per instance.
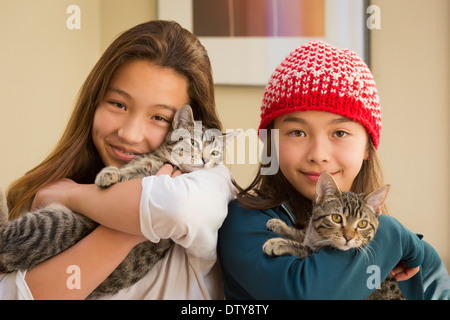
(322, 113)
(125, 108)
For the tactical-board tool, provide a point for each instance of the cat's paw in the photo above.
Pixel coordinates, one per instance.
(107, 177)
(276, 247)
(276, 225)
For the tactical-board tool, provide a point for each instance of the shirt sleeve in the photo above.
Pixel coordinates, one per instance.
(14, 287)
(189, 209)
(436, 280)
(328, 274)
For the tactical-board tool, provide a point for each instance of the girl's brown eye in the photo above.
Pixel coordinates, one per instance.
(160, 118)
(340, 134)
(297, 133)
(119, 105)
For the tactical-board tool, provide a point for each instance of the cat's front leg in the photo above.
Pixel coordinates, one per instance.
(285, 247)
(140, 167)
(281, 228)
(108, 176)
(112, 175)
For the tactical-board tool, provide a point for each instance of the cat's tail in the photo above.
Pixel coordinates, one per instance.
(3, 208)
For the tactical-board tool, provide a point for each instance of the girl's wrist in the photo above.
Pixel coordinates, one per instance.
(75, 197)
(82, 196)
(127, 239)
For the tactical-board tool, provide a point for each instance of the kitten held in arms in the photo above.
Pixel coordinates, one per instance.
(342, 220)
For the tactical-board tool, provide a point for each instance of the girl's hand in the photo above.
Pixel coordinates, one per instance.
(402, 272)
(168, 169)
(53, 193)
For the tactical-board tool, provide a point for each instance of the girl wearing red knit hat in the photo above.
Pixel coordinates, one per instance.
(324, 107)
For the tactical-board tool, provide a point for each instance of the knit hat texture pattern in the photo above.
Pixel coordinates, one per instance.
(318, 76)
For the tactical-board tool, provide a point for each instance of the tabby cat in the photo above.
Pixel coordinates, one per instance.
(37, 236)
(342, 220)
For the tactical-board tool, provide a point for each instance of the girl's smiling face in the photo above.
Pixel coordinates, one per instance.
(137, 110)
(312, 142)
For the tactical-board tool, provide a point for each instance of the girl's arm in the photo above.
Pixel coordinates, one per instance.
(116, 207)
(188, 208)
(96, 255)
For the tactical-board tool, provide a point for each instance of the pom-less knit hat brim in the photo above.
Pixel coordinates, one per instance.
(320, 77)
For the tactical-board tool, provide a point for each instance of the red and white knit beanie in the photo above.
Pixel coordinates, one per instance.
(318, 76)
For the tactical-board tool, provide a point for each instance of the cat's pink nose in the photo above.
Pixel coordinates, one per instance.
(348, 237)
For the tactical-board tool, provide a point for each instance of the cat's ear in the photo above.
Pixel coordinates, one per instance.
(224, 138)
(325, 187)
(183, 117)
(376, 199)
(229, 136)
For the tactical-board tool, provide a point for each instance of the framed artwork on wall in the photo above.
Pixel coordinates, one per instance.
(247, 39)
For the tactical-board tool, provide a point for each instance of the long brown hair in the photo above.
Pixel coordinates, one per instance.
(166, 44)
(270, 191)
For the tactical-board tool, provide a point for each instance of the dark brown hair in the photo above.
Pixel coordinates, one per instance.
(166, 44)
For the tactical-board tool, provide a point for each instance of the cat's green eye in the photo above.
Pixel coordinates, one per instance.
(362, 224)
(215, 153)
(336, 218)
(194, 143)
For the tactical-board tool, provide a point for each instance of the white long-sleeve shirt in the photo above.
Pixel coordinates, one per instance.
(189, 209)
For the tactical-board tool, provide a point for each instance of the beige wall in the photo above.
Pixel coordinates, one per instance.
(42, 67)
(43, 64)
(117, 16)
(411, 64)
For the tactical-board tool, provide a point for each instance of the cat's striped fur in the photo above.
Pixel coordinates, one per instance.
(37, 236)
(342, 220)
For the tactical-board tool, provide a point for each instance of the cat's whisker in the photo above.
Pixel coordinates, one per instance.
(365, 250)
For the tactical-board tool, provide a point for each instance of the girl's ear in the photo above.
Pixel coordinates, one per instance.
(325, 187)
(367, 154)
(376, 199)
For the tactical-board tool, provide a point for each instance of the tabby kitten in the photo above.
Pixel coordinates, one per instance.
(37, 236)
(342, 220)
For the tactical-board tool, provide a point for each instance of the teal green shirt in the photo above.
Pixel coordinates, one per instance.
(328, 274)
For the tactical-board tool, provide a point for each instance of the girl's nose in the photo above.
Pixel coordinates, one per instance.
(319, 152)
(131, 130)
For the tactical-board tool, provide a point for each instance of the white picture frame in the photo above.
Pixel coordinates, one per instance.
(249, 61)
